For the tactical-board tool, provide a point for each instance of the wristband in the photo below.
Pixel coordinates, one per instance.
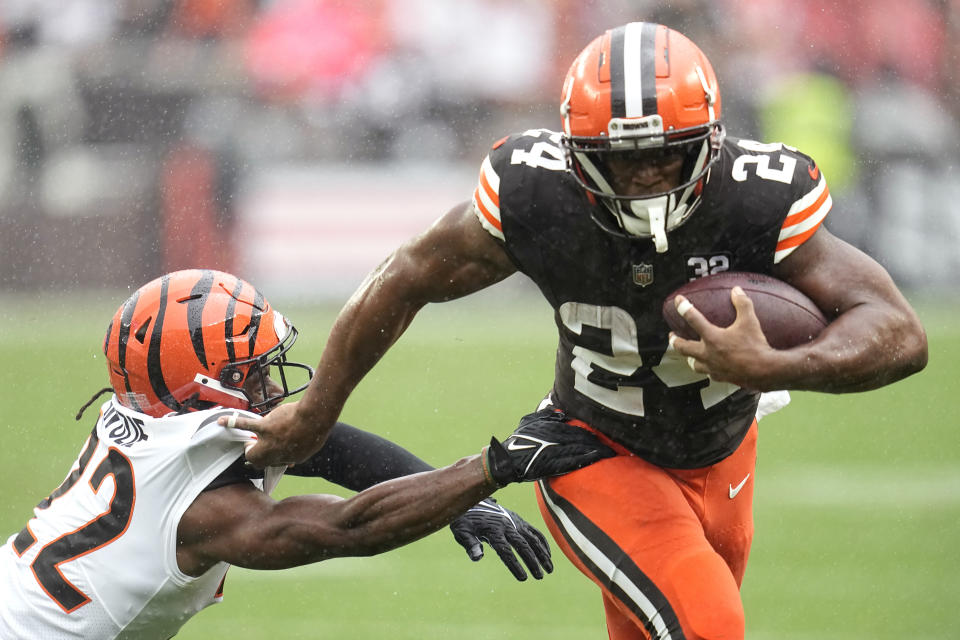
(485, 463)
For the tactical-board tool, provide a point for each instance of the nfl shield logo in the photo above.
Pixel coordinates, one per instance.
(643, 274)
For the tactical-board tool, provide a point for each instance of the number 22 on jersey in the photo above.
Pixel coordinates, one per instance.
(100, 530)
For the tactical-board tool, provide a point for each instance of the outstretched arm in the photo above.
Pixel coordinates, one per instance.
(874, 337)
(453, 258)
(357, 459)
(240, 525)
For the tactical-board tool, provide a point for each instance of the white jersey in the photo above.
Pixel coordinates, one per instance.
(98, 559)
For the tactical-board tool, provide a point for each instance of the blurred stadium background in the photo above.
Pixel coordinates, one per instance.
(295, 142)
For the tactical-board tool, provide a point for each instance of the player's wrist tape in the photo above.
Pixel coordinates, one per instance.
(486, 466)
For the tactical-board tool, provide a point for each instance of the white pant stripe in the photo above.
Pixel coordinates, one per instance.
(606, 566)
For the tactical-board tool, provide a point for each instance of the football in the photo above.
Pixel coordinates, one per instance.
(787, 316)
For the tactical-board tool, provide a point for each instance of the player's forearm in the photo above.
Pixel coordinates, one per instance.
(368, 325)
(865, 348)
(875, 337)
(405, 509)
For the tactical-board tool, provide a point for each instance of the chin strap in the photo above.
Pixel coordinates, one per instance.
(649, 219)
(658, 224)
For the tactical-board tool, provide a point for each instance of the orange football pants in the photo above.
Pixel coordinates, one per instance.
(667, 547)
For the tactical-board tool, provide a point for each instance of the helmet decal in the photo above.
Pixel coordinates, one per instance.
(195, 339)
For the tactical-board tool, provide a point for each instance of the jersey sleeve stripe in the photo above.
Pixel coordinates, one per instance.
(787, 247)
(485, 215)
(486, 200)
(807, 205)
(796, 235)
(488, 178)
(809, 220)
(803, 219)
(798, 239)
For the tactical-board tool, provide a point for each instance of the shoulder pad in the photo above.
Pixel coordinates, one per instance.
(787, 180)
(534, 149)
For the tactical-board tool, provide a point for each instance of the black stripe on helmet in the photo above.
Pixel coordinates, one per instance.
(256, 315)
(198, 300)
(228, 320)
(648, 66)
(154, 368)
(123, 336)
(624, 564)
(106, 338)
(618, 99)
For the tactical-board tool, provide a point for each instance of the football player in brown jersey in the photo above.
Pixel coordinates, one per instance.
(640, 191)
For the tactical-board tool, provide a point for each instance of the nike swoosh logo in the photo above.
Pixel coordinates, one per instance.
(513, 446)
(734, 490)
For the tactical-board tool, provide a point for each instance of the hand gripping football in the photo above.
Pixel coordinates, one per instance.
(787, 316)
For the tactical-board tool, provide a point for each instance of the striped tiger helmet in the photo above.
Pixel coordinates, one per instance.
(645, 91)
(197, 339)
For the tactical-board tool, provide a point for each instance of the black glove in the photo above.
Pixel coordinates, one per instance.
(506, 532)
(542, 445)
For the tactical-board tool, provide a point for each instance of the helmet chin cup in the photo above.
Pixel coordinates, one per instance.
(646, 219)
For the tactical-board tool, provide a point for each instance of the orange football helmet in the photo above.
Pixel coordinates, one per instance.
(191, 340)
(646, 91)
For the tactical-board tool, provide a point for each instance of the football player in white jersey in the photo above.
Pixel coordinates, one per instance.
(640, 191)
(139, 536)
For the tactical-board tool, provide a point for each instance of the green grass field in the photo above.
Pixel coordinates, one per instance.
(857, 504)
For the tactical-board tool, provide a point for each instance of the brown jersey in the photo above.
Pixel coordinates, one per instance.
(614, 367)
